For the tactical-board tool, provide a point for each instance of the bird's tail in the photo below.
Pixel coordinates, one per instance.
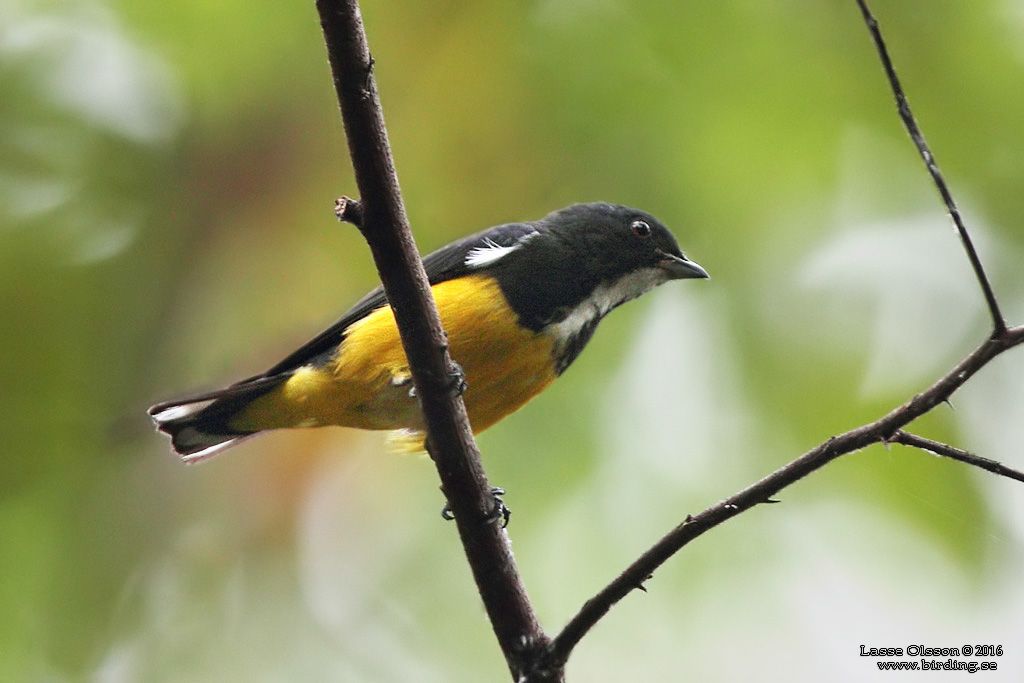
(199, 426)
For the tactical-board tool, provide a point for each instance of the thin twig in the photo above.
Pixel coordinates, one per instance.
(762, 491)
(383, 223)
(947, 451)
(907, 116)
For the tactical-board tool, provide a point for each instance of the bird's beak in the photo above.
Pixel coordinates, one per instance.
(680, 267)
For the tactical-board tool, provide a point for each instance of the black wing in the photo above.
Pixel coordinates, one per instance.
(447, 263)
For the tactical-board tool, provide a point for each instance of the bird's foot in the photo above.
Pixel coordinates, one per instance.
(457, 379)
(500, 511)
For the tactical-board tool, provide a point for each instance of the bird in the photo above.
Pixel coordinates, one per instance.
(518, 303)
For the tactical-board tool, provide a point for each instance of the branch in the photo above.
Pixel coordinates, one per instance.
(382, 221)
(947, 451)
(888, 428)
(907, 116)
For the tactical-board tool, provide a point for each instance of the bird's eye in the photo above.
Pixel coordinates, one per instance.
(640, 228)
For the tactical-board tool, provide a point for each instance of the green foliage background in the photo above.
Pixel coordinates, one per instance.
(167, 172)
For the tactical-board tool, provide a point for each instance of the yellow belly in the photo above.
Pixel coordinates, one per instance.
(367, 386)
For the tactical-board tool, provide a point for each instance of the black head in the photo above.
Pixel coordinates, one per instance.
(589, 257)
(608, 241)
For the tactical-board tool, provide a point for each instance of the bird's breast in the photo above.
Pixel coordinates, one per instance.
(505, 363)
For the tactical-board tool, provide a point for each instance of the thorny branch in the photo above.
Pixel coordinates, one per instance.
(885, 429)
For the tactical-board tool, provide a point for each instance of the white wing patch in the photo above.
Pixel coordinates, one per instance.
(491, 252)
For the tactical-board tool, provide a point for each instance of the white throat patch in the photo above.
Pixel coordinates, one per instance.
(603, 299)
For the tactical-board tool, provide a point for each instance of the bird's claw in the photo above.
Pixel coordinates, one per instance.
(500, 511)
(457, 379)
